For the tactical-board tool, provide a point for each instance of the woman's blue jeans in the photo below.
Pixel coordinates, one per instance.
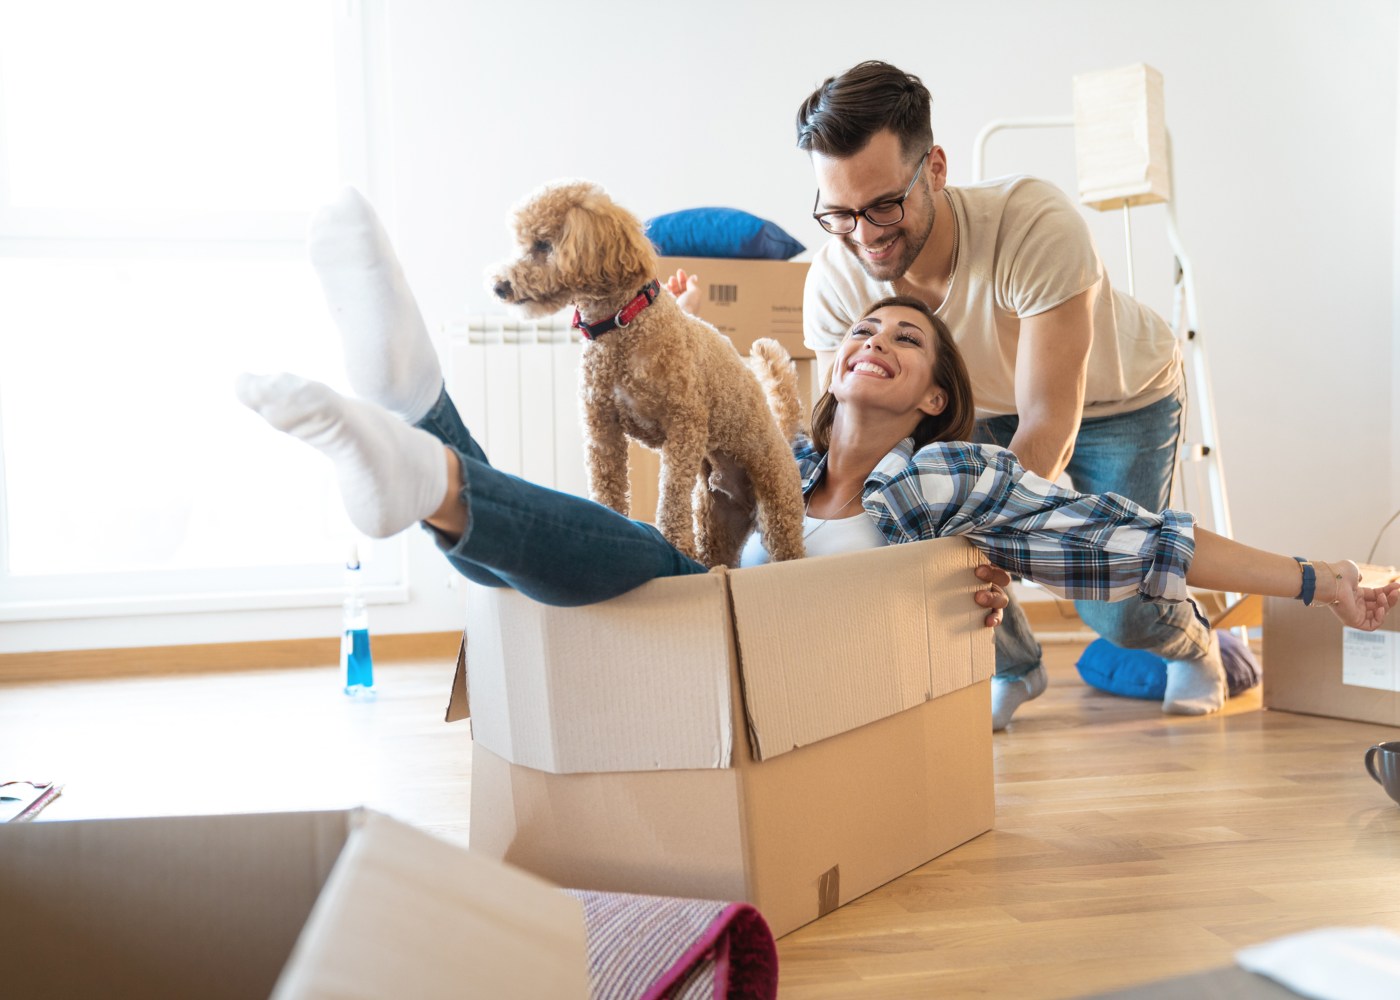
(1134, 455)
(554, 547)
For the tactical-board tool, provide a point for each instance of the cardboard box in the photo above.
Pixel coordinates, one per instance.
(644, 465)
(791, 735)
(1315, 665)
(748, 299)
(342, 903)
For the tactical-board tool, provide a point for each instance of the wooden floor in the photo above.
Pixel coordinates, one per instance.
(1129, 846)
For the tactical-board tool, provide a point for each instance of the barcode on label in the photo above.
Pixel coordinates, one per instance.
(724, 293)
(1366, 638)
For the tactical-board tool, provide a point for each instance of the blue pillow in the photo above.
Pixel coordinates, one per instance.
(1135, 673)
(720, 232)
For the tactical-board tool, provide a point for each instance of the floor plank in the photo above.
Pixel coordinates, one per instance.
(1128, 846)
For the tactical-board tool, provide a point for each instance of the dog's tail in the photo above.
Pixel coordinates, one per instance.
(778, 376)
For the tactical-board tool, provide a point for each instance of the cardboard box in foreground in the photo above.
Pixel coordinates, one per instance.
(791, 735)
(295, 905)
(748, 299)
(1315, 665)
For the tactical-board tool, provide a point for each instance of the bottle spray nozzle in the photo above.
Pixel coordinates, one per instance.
(352, 560)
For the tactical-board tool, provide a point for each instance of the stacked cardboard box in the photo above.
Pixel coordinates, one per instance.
(748, 299)
(792, 735)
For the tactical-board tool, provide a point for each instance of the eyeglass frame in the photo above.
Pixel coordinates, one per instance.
(864, 213)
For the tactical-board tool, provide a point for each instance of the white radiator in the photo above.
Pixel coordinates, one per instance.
(516, 385)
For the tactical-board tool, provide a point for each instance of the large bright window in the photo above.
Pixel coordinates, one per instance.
(158, 163)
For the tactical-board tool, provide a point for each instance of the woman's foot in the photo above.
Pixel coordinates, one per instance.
(1010, 693)
(391, 475)
(1196, 687)
(389, 356)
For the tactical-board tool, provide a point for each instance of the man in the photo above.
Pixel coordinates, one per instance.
(1068, 374)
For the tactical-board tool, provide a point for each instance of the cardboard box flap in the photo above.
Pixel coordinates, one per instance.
(183, 906)
(458, 704)
(406, 914)
(865, 659)
(638, 683)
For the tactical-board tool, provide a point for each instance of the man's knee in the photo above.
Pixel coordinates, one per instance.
(1126, 624)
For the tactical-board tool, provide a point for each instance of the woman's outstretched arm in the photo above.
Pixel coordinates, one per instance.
(1223, 564)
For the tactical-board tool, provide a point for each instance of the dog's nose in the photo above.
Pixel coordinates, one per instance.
(502, 289)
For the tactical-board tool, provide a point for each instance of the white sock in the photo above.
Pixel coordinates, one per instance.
(1010, 693)
(388, 354)
(1196, 687)
(391, 475)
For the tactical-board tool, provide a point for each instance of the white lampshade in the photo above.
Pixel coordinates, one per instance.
(1120, 137)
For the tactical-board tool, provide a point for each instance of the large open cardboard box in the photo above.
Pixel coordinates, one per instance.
(748, 299)
(791, 735)
(292, 905)
(1316, 666)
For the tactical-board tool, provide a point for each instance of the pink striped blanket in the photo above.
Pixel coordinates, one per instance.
(658, 948)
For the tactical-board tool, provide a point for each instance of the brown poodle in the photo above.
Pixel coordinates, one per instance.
(657, 374)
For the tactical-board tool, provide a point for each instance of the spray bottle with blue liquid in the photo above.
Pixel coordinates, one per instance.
(356, 663)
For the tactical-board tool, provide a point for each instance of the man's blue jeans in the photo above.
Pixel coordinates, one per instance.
(554, 547)
(1134, 455)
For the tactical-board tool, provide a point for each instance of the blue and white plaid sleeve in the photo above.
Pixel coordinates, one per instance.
(1081, 546)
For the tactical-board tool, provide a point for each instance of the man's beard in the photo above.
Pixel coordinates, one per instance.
(895, 267)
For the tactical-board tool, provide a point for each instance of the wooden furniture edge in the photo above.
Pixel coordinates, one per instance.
(219, 657)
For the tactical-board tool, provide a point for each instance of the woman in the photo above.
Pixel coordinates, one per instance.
(889, 433)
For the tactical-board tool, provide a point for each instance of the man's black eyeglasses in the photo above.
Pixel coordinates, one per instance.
(884, 213)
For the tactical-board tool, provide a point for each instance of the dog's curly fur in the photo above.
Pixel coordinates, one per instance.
(667, 379)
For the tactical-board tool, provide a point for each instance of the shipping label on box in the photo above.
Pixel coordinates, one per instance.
(1371, 659)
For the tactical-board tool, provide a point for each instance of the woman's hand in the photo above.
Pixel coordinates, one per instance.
(1360, 607)
(686, 289)
(993, 596)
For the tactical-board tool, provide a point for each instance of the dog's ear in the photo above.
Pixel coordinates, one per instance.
(604, 246)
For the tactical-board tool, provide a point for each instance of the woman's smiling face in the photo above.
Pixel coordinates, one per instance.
(887, 362)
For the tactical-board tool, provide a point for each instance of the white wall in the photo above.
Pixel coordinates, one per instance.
(1284, 122)
(1283, 116)
(1389, 551)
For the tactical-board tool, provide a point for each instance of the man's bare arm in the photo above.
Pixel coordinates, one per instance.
(1052, 358)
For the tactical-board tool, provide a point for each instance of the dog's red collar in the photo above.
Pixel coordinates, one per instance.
(625, 315)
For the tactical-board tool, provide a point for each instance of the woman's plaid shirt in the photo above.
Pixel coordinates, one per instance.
(1077, 545)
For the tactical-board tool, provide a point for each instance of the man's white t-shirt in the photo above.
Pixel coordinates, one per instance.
(1023, 249)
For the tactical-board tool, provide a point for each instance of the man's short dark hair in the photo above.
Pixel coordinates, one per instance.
(841, 115)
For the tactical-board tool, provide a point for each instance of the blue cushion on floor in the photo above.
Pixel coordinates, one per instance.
(1135, 673)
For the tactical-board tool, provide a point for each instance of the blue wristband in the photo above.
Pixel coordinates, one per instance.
(1309, 580)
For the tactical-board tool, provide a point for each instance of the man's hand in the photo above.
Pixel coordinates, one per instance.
(686, 289)
(993, 596)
